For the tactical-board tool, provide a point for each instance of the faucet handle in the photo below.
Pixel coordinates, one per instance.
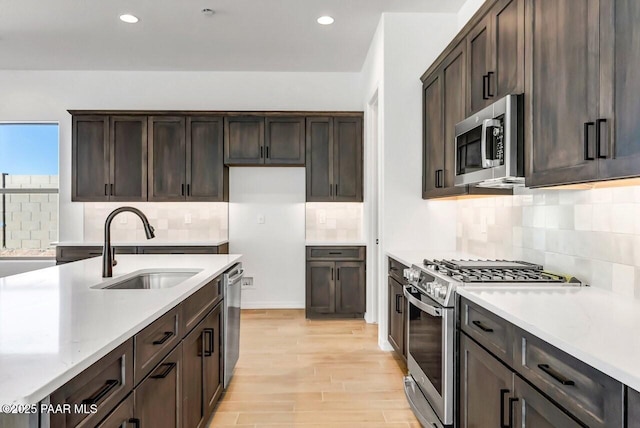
(113, 257)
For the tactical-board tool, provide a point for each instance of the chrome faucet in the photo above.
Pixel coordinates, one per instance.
(108, 259)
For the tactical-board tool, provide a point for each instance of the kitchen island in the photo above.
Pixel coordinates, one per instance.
(55, 323)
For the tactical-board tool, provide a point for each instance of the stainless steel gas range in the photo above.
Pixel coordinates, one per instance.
(431, 325)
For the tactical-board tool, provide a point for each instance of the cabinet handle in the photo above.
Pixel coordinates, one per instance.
(556, 375)
(106, 189)
(484, 87)
(587, 146)
(135, 422)
(170, 367)
(489, 93)
(482, 326)
(503, 393)
(188, 189)
(511, 401)
(182, 189)
(336, 189)
(338, 274)
(267, 150)
(111, 193)
(335, 253)
(209, 332)
(599, 145)
(261, 152)
(439, 178)
(102, 392)
(330, 189)
(331, 274)
(167, 336)
(398, 304)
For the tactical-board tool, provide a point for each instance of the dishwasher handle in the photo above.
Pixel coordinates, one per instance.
(237, 277)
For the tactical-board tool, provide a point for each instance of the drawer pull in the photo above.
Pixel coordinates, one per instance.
(511, 401)
(482, 326)
(335, 253)
(503, 393)
(167, 336)
(554, 374)
(135, 422)
(102, 392)
(170, 366)
(208, 332)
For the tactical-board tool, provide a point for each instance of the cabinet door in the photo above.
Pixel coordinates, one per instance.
(619, 133)
(432, 143)
(633, 408)
(347, 159)
(207, 176)
(507, 49)
(350, 288)
(128, 154)
(244, 140)
(121, 417)
(193, 412)
(213, 355)
(397, 305)
(284, 141)
(479, 51)
(485, 387)
(167, 158)
(320, 293)
(158, 399)
(319, 165)
(563, 90)
(533, 410)
(90, 151)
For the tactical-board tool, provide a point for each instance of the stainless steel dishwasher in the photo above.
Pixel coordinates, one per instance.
(232, 281)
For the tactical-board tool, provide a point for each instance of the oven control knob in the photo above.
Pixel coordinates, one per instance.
(429, 287)
(411, 275)
(442, 292)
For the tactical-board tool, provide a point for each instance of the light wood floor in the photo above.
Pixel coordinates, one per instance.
(298, 373)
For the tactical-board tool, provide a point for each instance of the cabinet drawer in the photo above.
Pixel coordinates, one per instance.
(154, 342)
(200, 303)
(487, 329)
(178, 250)
(590, 395)
(336, 253)
(396, 270)
(104, 384)
(121, 416)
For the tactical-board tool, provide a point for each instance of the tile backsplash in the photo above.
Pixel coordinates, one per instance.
(173, 222)
(334, 221)
(591, 234)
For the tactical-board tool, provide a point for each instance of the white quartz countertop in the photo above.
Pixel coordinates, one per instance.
(148, 243)
(596, 326)
(53, 325)
(335, 243)
(416, 257)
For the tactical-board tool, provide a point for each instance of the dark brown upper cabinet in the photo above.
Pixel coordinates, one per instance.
(334, 159)
(284, 141)
(444, 105)
(496, 55)
(109, 158)
(167, 148)
(244, 140)
(563, 89)
(207, 176)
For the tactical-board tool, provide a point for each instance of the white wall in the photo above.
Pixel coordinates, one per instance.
(467, 10)
(273, 252)
(46, 96)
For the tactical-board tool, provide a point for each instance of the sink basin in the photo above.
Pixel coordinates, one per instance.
(150, 281)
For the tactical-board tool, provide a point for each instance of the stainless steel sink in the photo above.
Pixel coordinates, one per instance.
(150, 281)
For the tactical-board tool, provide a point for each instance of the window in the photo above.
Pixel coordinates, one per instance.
(28, 189)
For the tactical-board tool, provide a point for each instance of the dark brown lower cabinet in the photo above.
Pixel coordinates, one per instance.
(202, 370)
(122, 416)
(158, 398)
(397, 317)
(66, 254)
(532, 409)
(336, 282)
(633, 408)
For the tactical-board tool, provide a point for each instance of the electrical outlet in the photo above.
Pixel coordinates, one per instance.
(187, 218)
(247, 282)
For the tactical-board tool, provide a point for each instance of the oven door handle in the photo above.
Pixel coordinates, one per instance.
(431, 310)
(486, 124)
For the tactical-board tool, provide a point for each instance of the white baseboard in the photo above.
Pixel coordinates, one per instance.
(272, 305)
(385, 345)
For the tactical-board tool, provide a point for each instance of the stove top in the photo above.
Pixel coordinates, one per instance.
(439, 278)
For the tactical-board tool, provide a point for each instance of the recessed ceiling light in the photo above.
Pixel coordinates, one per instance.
(325, 20)
(128, 18)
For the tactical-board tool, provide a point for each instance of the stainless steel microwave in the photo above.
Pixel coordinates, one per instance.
(490, 146)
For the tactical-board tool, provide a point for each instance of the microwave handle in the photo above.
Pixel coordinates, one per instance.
(486, 124)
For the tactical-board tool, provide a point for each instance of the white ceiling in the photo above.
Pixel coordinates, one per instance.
(248, 35)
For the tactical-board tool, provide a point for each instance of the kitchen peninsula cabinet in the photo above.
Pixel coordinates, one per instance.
(335, 282)
(334, 159)
(109, 158)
